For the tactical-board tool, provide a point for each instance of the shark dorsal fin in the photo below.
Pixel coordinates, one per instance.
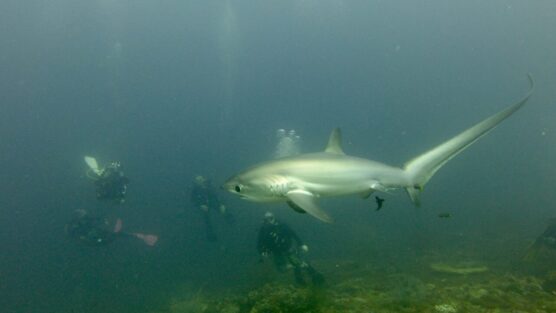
(335, 142)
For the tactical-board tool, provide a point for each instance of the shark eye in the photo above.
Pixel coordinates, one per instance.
(238, 188)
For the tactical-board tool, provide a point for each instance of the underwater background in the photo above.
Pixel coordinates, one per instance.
(174, 89)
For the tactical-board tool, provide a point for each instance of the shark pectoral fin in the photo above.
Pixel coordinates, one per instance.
(296, 207)
(306, 201)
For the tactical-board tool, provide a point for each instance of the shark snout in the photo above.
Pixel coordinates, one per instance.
(229, 185)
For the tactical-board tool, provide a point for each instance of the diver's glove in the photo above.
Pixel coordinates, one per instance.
(304, 248)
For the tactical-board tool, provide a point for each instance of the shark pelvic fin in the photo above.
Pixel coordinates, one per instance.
(375, 185)
(367, 194)
(306, 201)
(423, 167)
(335, 142)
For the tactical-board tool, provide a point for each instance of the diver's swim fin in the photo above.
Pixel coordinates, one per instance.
(118, 226)
(93, 165)
(149, 240)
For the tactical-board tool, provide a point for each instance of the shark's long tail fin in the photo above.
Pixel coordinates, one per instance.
(423, 167)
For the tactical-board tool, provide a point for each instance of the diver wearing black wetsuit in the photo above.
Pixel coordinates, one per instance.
(91, 230)
(204, 197)
(544, 247)
(548, 237)
(285, 246)
(111, 183)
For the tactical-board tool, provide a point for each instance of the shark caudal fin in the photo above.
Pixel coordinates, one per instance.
(423, 167)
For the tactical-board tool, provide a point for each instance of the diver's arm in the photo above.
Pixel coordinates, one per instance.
(196, 197)
(261, 247)
(124, 179)
(550, 231)
(289, 232)
(212, 199)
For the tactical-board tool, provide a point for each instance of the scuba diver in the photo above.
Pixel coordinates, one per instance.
(98, 231)
(204, 197)
(110, 182)
(285, 246)
(544, 247)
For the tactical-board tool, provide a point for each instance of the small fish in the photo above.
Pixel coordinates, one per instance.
(444, 215)
(379, 202)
